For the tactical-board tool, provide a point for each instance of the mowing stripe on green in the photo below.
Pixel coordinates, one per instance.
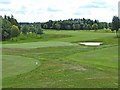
(38, 44)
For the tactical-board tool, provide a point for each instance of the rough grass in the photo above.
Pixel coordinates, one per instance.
(31, 37)
(68, 66)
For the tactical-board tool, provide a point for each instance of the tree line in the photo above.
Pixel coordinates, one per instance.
(75, 24)
(83, 24)
(10, 28)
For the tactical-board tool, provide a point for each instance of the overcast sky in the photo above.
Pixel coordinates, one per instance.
(44, 10)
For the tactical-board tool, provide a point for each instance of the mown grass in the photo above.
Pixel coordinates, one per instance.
(68, 66)
(38, 44)
(10, 62)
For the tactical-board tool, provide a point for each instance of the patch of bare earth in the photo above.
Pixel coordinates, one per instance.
(74, 67)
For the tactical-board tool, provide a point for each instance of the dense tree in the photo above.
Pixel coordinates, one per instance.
(88, 27)
(32, 29)
(1, 20)
(67, 27)
(8, 24)
(45, 26)
(74, 27)
(12, 20)
(74, 24)
(10, 28)
(39, 31)
(57, 26)
(115, 24)
(106, 25)
(49, 24)
(25, 29)
(14, 31)
(6, 29)
(95, 26)
(53, 25)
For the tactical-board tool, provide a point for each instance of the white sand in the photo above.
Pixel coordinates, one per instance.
(36, 63)
(91, 43)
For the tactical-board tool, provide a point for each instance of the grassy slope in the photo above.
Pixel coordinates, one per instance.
(60, 38)
(78, 36)
(33, 38)
(70, 66)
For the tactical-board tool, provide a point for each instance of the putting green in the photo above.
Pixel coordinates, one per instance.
(15, 65)
(37, 44)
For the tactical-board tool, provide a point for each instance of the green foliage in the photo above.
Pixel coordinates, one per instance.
(95, 26)
(15, 31)
(1, 20)
(45, 26)
(9, 27)
(76, 27)
(39, 31)
(115, 23)
(25, 29)
(74, 24)
(14, 21)
(68, 27)
(32, 29)
(57, 26)
(88, 27)
(6, 29)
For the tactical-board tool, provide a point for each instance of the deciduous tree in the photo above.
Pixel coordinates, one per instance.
(14, 31)
(115, 24)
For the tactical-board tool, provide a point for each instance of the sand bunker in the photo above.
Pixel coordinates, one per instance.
(91, 43)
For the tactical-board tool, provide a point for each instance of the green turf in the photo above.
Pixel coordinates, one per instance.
(38, 44)
(65, 63)
(15, 65)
